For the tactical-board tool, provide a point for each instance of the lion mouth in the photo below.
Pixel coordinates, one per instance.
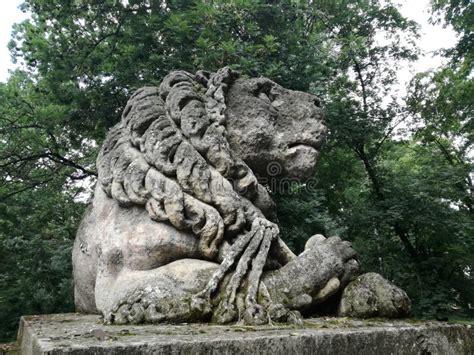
(303, 145)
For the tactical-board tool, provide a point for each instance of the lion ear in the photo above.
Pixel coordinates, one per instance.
(202, 77)
(224, 77)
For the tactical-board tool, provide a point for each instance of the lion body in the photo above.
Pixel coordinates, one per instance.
(177, 208)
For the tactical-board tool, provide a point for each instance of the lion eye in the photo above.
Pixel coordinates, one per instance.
(277, 103)
(264, 97)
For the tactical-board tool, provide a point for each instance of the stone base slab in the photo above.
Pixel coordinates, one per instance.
(85, 334)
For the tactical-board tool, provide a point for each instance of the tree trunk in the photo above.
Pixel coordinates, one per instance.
(397, 227)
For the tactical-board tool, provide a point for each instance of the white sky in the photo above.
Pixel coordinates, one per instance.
(432, 39)
(9, 14)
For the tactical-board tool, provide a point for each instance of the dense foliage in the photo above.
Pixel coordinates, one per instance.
(394, 177)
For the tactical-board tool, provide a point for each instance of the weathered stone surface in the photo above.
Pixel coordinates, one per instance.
(370, 295)
(180, 228)
(85, 334)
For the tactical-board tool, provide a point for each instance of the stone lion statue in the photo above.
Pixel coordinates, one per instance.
(181, 230)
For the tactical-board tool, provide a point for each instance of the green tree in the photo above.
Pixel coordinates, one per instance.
(39, 211)
(460, 15)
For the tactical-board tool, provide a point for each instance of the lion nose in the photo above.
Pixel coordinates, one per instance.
(315, 131)
(316, 101)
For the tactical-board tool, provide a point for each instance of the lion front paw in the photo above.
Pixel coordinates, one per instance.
(341, 255)
(321, 271)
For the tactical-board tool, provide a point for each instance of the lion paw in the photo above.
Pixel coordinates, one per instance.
(321, 271)
(338, 252)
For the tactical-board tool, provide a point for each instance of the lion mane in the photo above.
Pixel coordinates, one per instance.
(169, 153)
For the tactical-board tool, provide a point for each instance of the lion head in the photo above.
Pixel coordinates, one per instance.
(188, 149)
(267, 123)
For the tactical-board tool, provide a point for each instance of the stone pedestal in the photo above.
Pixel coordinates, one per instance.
(85, 334)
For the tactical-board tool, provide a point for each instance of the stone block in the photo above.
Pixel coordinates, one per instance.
(85, 334)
